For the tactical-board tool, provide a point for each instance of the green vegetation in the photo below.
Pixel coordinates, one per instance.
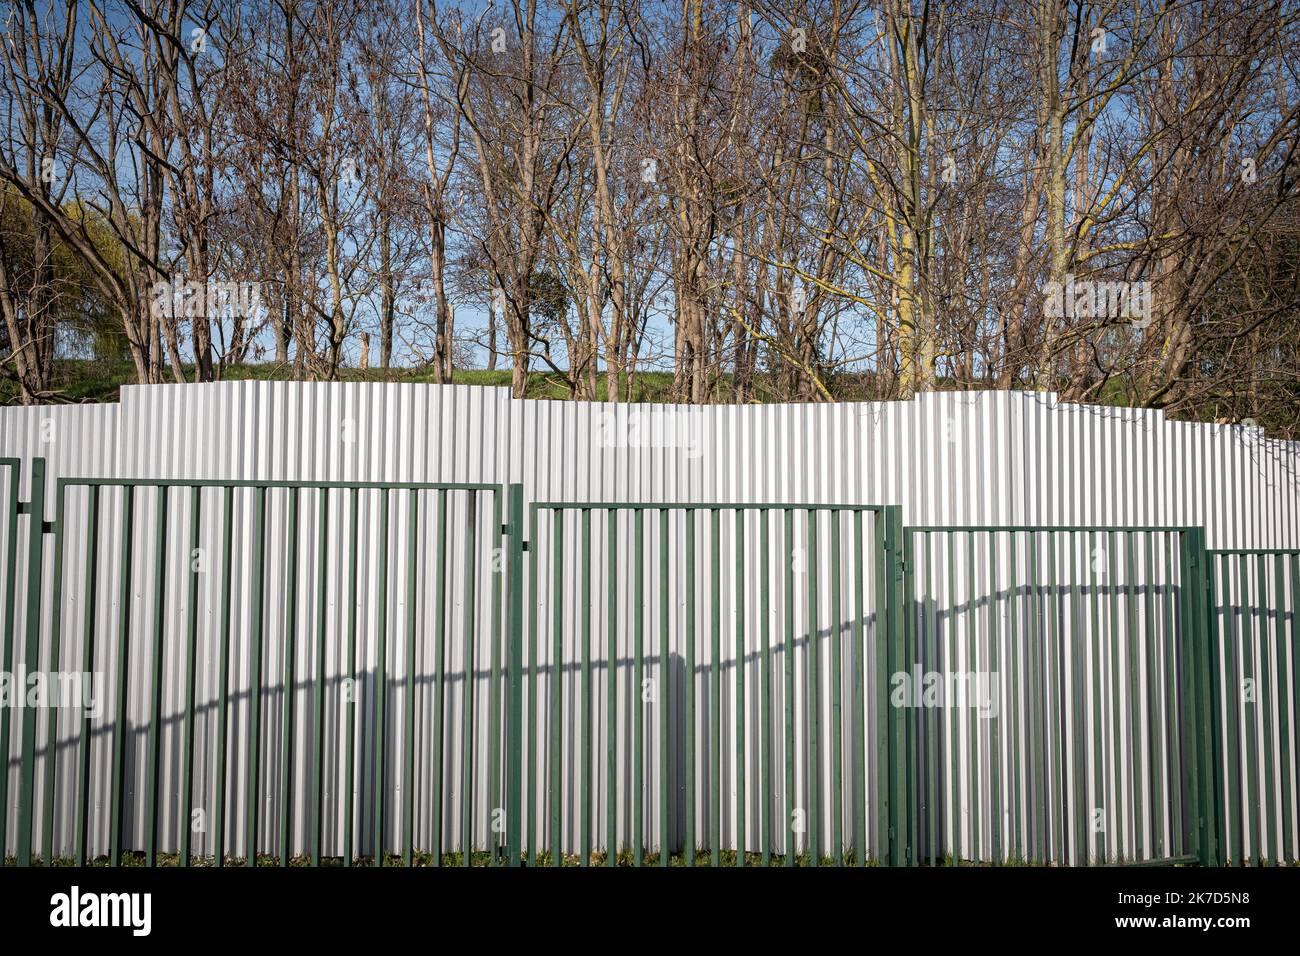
(97, 380)
(93, 380)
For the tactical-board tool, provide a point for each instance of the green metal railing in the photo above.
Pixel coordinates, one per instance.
(681, 721)
(1078, 661)
(1255, 602)
(426, 633)
(694, 683)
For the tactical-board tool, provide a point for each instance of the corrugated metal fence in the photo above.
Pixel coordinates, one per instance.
(983, 460)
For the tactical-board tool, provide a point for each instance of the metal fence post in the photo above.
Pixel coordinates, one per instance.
(1207, 709)
(899, 602)
(515, 631)
(1215, 768)
(35, 509)
(1188, 715)
(6, 661)
(907, 638)
(1195, 682)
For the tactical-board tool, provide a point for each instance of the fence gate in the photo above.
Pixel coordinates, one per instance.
(322, 622)
(1060, 707)
(727, 702)
(1256, 598)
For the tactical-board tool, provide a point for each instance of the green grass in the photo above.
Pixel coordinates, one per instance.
(93, 380)
(99, 381)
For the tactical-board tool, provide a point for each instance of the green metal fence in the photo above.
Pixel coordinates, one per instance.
(726, 674)
(664, 684)
(1255, 604)
(1070, 713)
(102, 794)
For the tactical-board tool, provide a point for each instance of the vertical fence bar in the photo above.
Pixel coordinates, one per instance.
(690, 687)
(765, 680)
(381, 680)
(1265, 688)
(899, 548)
(1114, 693)
(584, 740)
(944, 643)
(1078, 691)
(1248, 742)
(1097, 713)
(788, 753)
(739, 545)
(1051, 719)
(715, 687)
(1170, 699)
(534, 700)
(13, 510)
(467, 718)
(497, 797)
(973, 790)
(858, 725)
(1188, 686)
(1153, 791)
(814, 698)
(439, 677)
(1132, 763)
(557, 688)
(1295, 673)
(611, 685)
(1286, 847)
(223, 679)
(995, 732)
(87, 667)
(1235, 836)
(155, 681)
(663, 698)
(289, 674)
(1036, 688)
(121, 678)
(1016, 753)
(350, 699)
(408, 723)
(515, 637)
(1214, 636)
(198, 562)
(35, 564)
(638, 705)
(318, 730)
(882, 638)
(837, 674)
(52, 721)
(1040, 641)
(1209, 797)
